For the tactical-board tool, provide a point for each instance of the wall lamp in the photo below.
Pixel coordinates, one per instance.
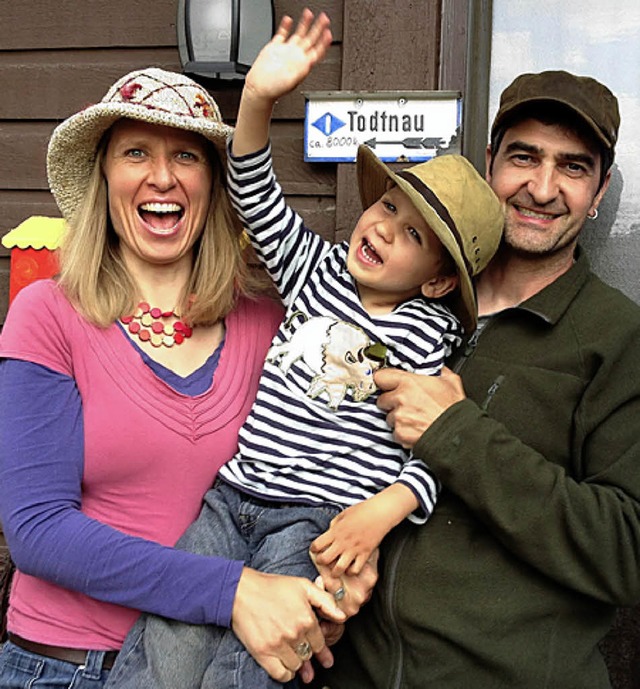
(221, 38)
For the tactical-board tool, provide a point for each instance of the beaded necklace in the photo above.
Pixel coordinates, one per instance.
(160, 328)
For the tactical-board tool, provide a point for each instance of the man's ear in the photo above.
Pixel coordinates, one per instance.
(598, 197)
(439, 286)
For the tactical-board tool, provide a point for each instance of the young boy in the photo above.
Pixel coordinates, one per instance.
(315, 442)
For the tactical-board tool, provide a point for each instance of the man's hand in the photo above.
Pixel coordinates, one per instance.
(413, 402)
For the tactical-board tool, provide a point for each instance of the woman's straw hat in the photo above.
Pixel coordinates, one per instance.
(149, 95)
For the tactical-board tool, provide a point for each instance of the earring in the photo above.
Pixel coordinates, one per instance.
(594, 215)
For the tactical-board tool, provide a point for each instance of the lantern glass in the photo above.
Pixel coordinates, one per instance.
(211, 30)
(221, 38)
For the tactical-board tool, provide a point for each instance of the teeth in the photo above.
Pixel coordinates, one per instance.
(161, 207)
(536, 216)
(370, 254)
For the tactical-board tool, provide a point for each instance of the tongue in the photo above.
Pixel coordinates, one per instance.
(160, 221)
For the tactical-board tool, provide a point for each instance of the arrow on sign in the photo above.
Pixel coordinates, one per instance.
(410, 142)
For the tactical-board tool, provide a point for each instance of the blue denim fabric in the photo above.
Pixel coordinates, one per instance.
(274, 538)
(20, 669)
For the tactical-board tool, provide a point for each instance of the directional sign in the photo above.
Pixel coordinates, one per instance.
(407, 126)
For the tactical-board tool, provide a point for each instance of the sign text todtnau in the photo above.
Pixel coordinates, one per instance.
(398, 126)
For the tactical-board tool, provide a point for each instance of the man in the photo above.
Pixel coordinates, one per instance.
(536, 539)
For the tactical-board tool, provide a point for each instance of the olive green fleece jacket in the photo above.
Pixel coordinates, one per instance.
(536, 537)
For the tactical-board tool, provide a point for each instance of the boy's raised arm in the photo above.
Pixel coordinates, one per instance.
(282, 65)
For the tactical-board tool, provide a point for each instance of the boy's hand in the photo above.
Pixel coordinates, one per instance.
(358, 530)
(289, 57)
(281, 65)
(350, 539)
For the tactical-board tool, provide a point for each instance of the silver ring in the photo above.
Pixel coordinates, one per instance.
(339, 594)
(303, 650)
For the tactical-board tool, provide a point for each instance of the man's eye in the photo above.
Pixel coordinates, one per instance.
(576, 169)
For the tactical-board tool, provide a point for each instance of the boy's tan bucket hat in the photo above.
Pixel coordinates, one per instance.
(457, 204)
(150, 95)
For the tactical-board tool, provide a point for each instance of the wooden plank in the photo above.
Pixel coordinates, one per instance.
(319, 213)
(17, 206)
(23, 159)
(47, 85)
(293, 8)
(453, 45)
(294, 175)
(4, 287)
(62, 24)
(51, 24)
(384, 48)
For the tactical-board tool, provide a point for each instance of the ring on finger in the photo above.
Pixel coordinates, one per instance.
(339, 594)
(303, 650)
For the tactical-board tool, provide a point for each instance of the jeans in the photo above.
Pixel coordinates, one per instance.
(275, 538)
(20, 669)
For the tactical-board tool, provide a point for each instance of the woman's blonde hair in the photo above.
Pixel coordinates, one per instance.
(95, 278)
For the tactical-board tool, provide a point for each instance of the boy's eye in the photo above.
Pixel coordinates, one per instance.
(389, 206)
(415, 234)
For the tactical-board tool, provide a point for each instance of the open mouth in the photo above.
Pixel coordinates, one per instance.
(161, 217)
(369, 253)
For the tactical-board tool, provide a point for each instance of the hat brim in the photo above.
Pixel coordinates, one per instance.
(73, 145)
(373, 176)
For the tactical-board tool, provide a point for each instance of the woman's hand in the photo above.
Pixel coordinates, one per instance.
(274, 615)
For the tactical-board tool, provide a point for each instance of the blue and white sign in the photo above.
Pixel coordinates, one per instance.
(410, 126)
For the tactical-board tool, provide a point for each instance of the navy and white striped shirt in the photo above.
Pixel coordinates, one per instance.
(315, 434)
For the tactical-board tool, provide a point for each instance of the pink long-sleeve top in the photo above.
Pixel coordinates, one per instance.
(95, 495)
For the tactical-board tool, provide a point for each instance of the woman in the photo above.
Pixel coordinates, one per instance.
(123, 386)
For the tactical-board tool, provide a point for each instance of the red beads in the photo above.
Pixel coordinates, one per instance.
(160, 328)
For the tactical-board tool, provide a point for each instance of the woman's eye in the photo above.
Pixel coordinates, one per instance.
(187, 155)
(134, 153)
